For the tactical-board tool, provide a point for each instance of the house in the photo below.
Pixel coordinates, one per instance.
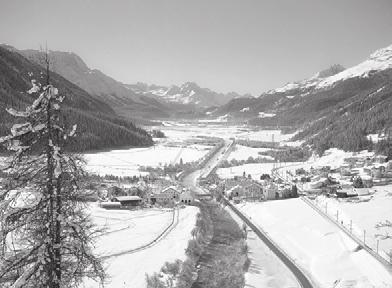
(187, 197)
(361, 191)
(162, 198)
(110, 205)
(367, 181)
(377, 172)
(128, 201)
(254, 191)
(271, 192)
(236, 191)
(345, 170)
(171, 192)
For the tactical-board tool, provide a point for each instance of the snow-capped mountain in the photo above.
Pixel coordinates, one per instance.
(188, 94)
(311, 82)
(376, 62)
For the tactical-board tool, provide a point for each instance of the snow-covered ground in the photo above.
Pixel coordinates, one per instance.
(243, 153)
(254, 169)
(364, 213)
(266, 269)
(317, 245)
(179, 131)
(140, 227)
(333, 158)
(128, 161)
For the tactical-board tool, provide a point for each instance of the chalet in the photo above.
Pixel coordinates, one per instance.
(162, 198)
(345, 170)
(236, 191)
(128, 201)
(361, 191)
(110, 205)
(187, 197)
(254, 191)
(377, 172)
(171, 192)
(367, 181)
(271, 192)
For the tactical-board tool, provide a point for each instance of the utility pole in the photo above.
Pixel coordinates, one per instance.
(364, 237)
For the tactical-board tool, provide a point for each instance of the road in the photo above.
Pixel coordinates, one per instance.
(301, 277)
(191, 182)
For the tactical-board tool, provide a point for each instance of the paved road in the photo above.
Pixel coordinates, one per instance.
(191, 181)
(301, 277)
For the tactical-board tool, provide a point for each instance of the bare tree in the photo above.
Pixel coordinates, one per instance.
(46, 238)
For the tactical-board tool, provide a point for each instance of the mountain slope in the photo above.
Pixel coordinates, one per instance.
(334, 108)
(123, 100)
(99, 126)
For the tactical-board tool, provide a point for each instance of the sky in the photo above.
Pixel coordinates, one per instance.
(226, 45)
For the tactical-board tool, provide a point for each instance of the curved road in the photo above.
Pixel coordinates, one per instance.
(191, 182)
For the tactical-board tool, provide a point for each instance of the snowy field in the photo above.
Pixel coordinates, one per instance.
(254, 169)
(176, 130)
(177, 146)
(128, 161)
(243, 153)
(318, 246)
(132, 229)
(364, 215)
(266, 269)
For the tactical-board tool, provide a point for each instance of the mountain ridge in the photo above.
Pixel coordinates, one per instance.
(98, 124)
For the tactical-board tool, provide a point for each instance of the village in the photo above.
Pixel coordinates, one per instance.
(354, 176)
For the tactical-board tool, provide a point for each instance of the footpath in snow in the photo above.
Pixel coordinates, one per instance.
(129, 270)
(317, 246)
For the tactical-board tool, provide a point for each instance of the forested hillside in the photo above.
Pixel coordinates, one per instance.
(340, 108)
(99, 126)
(123, 100)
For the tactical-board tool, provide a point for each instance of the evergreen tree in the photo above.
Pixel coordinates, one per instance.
(46, 238)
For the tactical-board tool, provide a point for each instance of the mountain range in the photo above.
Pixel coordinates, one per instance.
(335, 108)
(188, 93)
(99, 126)
(135, 101)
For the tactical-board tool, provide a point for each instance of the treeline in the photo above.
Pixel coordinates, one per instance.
(347, 128)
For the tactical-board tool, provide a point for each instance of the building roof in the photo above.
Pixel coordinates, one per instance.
(170, 188)
(254, 184)
(127, 198)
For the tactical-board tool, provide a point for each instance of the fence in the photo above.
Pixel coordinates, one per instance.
(368, 242)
